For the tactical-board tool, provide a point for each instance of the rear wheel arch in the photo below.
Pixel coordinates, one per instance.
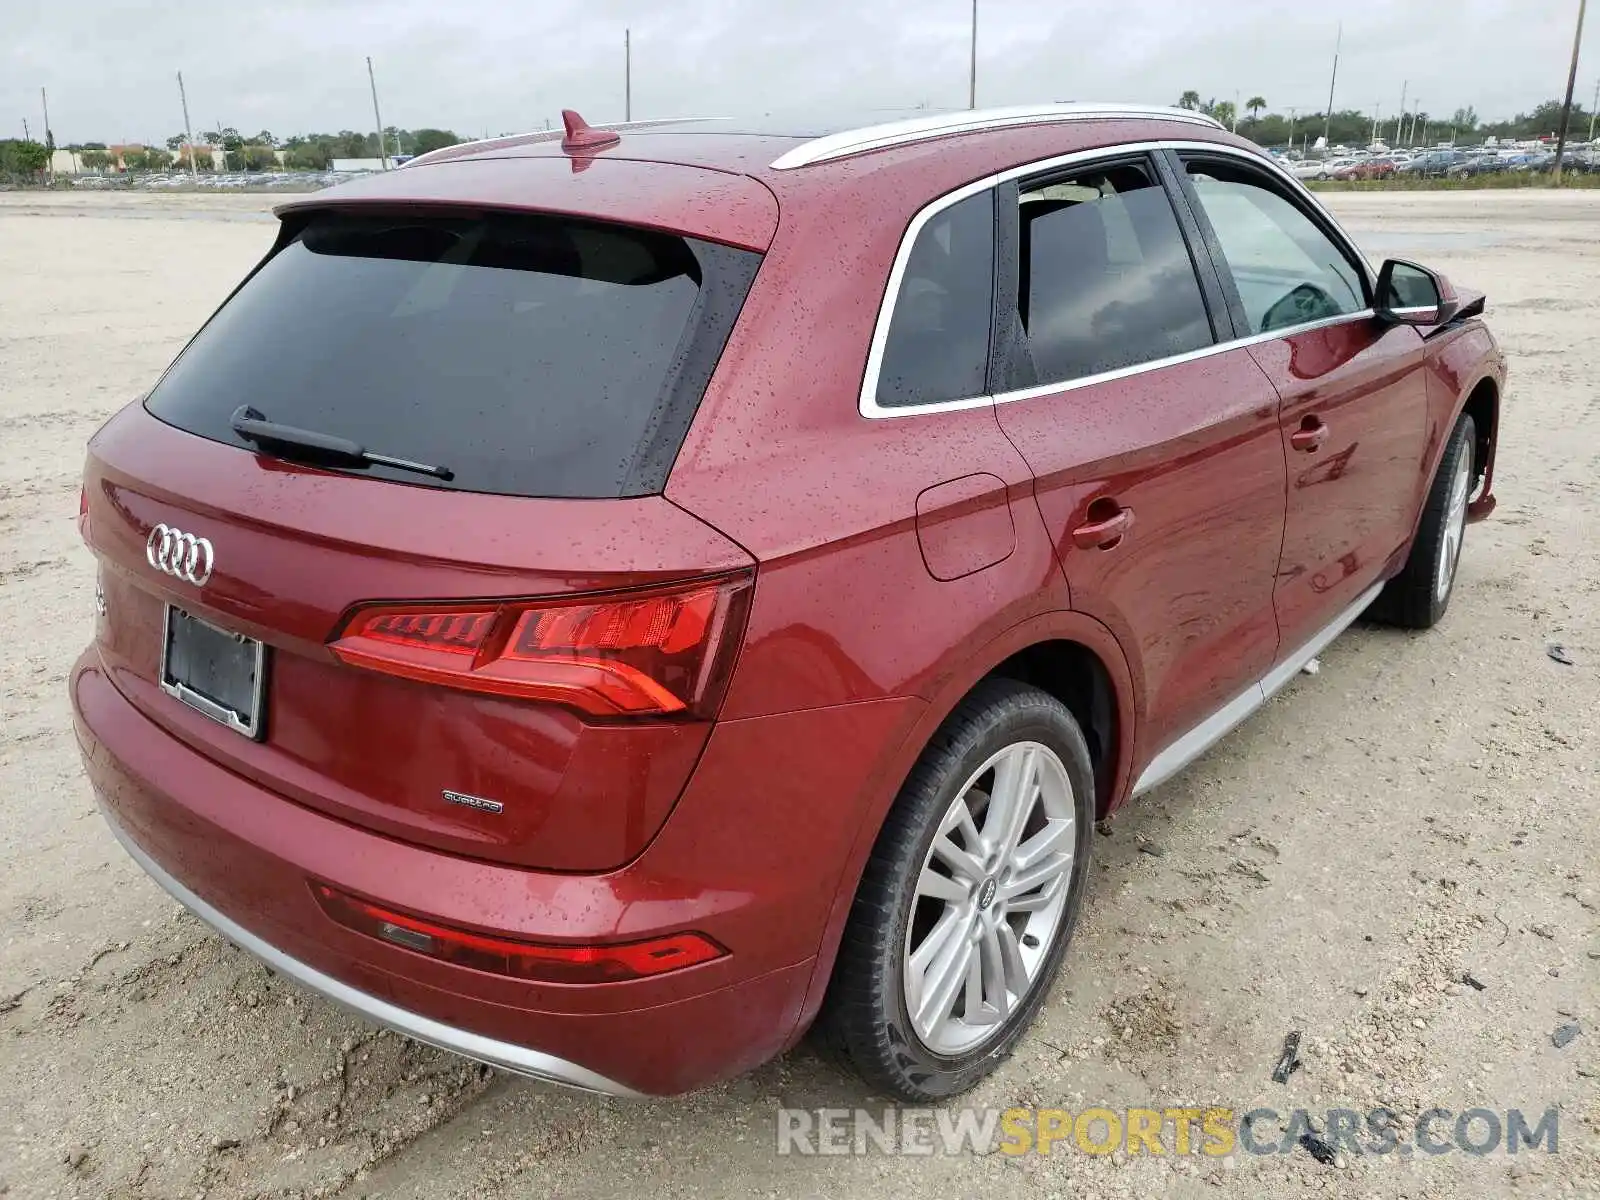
(1075, 675)
(1058, 652)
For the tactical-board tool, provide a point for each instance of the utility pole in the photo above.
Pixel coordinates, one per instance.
(188, 134)
(1293, 108)
(27, 136)
(627, 74)
(49, 138)
(1572, 79)
(1404, 87)
(1327, 117)
(1416, 111)
(1594, 109)
(383, 145)
(972, 73)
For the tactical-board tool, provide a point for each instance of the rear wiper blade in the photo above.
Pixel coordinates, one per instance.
(249, 423)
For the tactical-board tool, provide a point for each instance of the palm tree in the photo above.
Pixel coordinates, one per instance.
(1255, 104)
(1190, 100)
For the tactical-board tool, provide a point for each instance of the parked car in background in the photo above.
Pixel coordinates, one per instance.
(1324, 168)
(690, 584)
(1431, 164)
(1377, 167)
(1485, 163)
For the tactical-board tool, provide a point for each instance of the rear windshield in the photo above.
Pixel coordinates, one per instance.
(527, 355)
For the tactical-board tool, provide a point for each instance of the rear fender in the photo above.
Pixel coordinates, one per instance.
(897, 764)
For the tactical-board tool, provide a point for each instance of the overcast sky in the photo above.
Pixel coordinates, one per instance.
(480, 66)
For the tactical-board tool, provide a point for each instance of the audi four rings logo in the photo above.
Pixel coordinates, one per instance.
(180, 554)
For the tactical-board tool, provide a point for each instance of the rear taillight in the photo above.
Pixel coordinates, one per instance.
(661, 652)
(83, 513)
(524, 960)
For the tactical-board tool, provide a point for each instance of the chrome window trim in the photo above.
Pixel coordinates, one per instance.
(851, 142)
(867, 403)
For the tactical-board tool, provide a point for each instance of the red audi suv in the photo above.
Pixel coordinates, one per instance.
(605, 602)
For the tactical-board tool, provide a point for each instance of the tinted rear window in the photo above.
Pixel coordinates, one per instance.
(530, 355)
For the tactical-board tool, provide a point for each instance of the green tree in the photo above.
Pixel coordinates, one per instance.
(424, 140)
(1223, 111)
(228, 138)
(175, 142)
(18, 157)
(157, 159)
(1189, 100)
(1255, 104)
(306, 157)
(95, 160)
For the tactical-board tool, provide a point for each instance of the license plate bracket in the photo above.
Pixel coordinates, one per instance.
(214, 671)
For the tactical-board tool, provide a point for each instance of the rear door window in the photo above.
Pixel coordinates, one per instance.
(938, 342)
(1287, 270)
(1105, 276)
(528, 354)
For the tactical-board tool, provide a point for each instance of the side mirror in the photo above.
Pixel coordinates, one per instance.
(1413, 295)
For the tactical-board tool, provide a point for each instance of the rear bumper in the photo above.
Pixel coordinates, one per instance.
(508, 1056)
(752, 856)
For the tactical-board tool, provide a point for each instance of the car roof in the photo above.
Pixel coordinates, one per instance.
(726, 180)
(779, 142)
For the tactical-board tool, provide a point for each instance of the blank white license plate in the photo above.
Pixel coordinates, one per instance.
(214, 671)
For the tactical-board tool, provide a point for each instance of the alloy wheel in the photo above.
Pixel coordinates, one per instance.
(1455, 524)
(989, 899)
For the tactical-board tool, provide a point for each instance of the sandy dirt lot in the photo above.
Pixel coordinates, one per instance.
(1423, 808)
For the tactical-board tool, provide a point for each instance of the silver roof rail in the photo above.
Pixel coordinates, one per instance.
(917, 129)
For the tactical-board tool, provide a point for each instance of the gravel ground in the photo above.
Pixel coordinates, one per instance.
(1422, 809)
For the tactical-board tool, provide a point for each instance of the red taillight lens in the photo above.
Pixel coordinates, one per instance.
(649, 653)
(524, 960)
(83, 513)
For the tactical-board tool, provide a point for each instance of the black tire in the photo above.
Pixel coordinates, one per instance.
(864, 1023)
(1412, 598)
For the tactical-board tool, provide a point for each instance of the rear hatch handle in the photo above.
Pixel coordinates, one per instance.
(253, 425)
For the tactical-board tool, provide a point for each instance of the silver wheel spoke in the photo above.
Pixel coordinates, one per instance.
(941, 887)
(944, 979)
(965, 866)
(1455, 521)
(990, 898)
(1035, 900)
(994, 974)
(1035, 877)
(972, 1002)
(950, 924)
(1016, 790)
(1016, 970)
(1057, 835)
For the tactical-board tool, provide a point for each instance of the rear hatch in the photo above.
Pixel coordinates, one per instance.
(418, 456)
